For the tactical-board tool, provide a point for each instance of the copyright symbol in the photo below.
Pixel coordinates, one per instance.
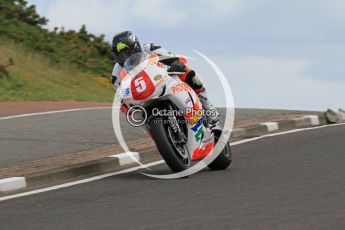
(136, 115)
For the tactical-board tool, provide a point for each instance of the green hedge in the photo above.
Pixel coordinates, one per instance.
(21, 23)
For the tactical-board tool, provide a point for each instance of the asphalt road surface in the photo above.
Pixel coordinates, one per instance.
(43, 136)
(292, 181)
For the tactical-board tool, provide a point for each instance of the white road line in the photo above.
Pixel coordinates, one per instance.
(281, 133)
(147, 165)
(78, 182)
(51, 112)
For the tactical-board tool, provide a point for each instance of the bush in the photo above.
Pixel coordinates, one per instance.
(88, 52)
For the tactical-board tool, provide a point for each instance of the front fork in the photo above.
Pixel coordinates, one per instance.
(174, 124)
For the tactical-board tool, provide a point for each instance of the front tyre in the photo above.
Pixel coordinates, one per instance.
(171, 153)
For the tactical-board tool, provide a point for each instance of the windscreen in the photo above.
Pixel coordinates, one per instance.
(134, 61)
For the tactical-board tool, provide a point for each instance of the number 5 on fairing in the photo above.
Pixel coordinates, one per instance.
(140, 85)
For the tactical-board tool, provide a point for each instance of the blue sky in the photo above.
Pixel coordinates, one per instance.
(275, 54)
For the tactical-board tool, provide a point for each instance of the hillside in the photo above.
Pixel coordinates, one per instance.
(35, 77)
(38, 64)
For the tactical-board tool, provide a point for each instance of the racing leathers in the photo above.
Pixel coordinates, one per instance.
(176, 64)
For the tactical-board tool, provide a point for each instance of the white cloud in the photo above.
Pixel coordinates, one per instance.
(266, 36)
(159, 13)
(104, 16)
(279, 83)
(222, 7)
(99, 16)
(337, 9)
(165, 13)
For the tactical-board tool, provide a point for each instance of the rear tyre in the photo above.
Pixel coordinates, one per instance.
(166, 146)
(224, 159)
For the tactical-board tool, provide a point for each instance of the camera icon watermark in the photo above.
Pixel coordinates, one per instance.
(136, 115)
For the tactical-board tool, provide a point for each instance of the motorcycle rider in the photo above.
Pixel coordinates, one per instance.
(125, 44)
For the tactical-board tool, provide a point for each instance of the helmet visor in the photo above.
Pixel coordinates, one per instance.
(126, 53)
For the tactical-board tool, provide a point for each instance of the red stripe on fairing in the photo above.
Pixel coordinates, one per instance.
(200, 153)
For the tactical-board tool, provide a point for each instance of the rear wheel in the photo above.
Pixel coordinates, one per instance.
(175, 154)
(224, 159)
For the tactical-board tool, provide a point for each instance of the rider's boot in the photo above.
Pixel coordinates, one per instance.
(194, 81)
(211, 113)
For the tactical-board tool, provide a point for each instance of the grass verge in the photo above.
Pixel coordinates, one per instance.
(34, 77)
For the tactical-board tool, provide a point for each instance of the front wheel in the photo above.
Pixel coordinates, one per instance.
(176, 156)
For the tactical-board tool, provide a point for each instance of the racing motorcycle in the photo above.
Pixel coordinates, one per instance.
(173, 113)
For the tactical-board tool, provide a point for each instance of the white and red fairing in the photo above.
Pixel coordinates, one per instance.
(148, 80)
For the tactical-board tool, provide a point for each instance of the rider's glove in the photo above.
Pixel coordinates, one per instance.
(124, 108)
(177, 66)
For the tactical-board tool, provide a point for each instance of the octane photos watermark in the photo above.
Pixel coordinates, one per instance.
(137, 115)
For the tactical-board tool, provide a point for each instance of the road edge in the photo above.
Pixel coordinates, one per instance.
(124, 160)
